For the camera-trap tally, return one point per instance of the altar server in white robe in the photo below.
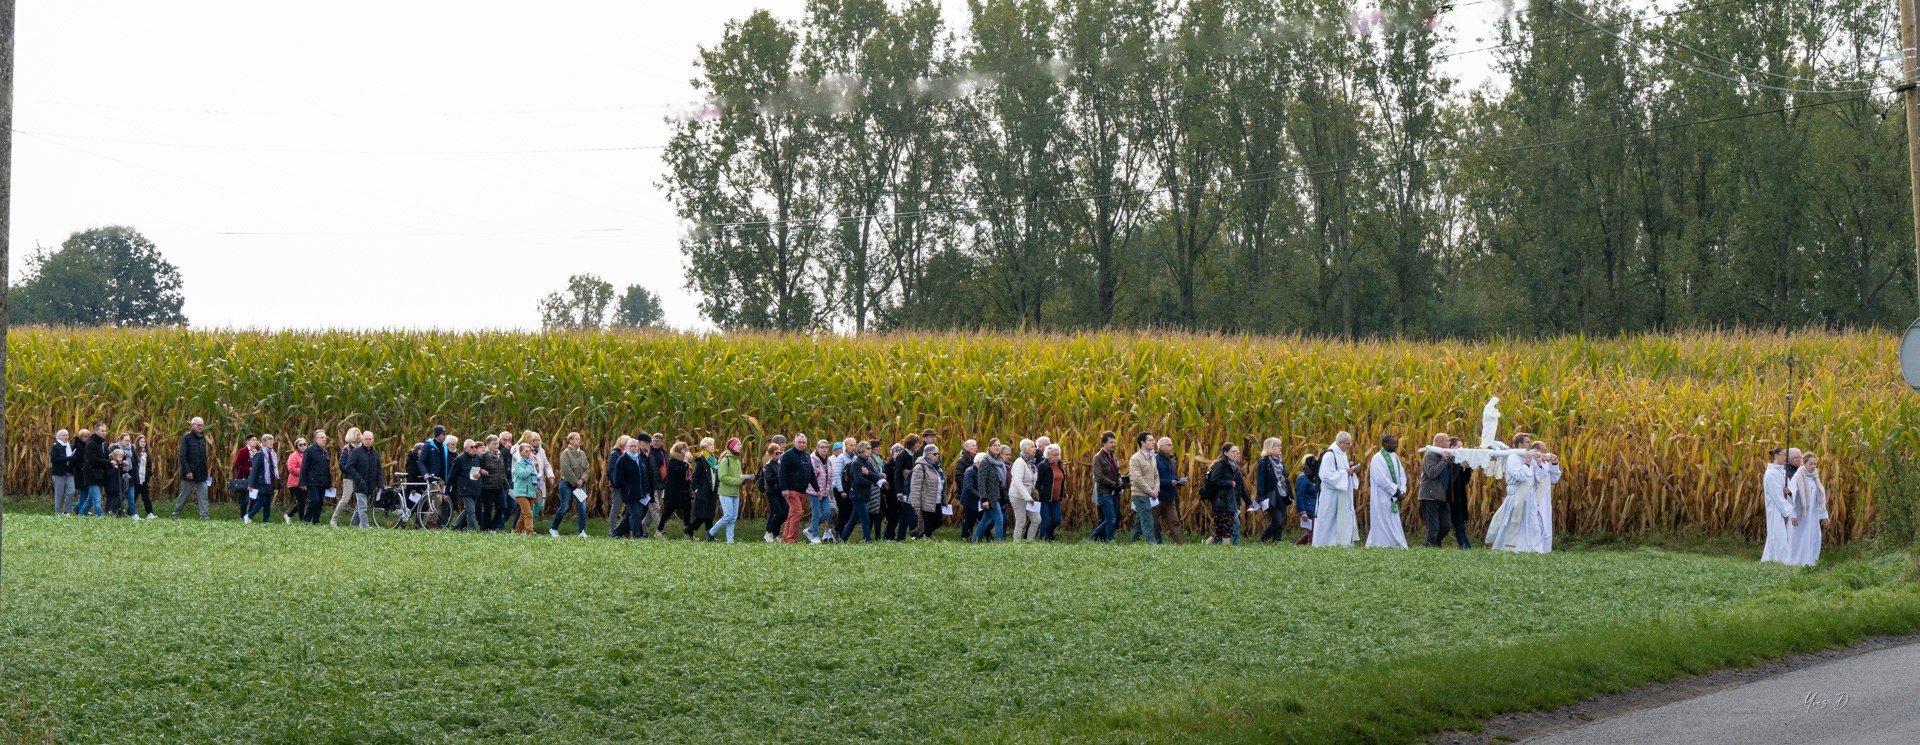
(1546, 473)
(1386, 484)
(1773, 491)
(1810, 509)
(1333, 519)
(1514, 525)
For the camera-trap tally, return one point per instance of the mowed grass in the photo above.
(183, 631)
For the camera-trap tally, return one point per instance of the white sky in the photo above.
(376, 156)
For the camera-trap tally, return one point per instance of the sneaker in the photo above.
(711, 539)
(151, 517)
(244, 520)
(334, 523)
(287, 518)
(583, 534)
(555, 533)
(808, 532)
(769, 538)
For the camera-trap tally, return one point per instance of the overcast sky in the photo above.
(370, 164)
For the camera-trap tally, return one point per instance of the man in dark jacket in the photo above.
(464, 490)
(1458, 476)
(97, 466)
(1166, 515)
(1106, 488)
(435, 461)
(969, 503)
(367, 478)
(193, 468)
(493, 481)
(316, 473)
(1434, 513)
(796, 476)
(862, 482)
(634, 489)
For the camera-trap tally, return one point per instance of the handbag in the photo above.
(236, 485)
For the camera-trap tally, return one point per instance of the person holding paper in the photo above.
(1386, 485)
(1512, 528)
(1434, 468)
(263, 480)
(1272, 488)
(614, 505)
(1779, 510)
(927, 488)
(466, 488)
(1025, 476)
(1143, 475)
(1334, 522)
(1166, 514)
(1226, 491)
(1306, 489)
(1810, 510)
(574, 466)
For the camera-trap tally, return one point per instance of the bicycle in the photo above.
(420, 505)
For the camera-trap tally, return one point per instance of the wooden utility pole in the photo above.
(1911, 67)
(6, 215)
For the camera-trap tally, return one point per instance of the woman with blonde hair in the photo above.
(347, 444)
(525, 476)
(543, 471)
(704, 483)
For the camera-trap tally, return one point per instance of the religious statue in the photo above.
(1489, 423)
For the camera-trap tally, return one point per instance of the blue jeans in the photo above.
(1109, 518)
(568, 502)
(729, 514)
(991, 517)
(1049, 519)
(1236, 528)
(90, 503)
(822, 509)
(1143, 520)
(859, 515)
(261, 504)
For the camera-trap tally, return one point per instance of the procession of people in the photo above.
(823, 491)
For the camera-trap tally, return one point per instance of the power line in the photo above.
(1693, 67)
(1081, 109)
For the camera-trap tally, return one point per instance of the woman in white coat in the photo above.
(1779, 510)
(1810, 506)
(1546, 473)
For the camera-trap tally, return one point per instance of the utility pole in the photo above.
(6, 215)
(1911, 67)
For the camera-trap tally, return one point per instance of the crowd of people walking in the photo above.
(822, 491)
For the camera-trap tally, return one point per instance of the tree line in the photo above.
(1297, 165)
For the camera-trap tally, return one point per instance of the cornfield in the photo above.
(1657, 431)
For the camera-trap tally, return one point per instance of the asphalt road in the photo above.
(1870, 699)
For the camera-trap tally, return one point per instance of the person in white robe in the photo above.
(1546, 473)
(1333, 519)
(1773, 492)
(1386, 484)
(1514, 525)
(1810, 509)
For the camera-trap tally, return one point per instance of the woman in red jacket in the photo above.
(242, 470)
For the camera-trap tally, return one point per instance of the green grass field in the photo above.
(189, 632)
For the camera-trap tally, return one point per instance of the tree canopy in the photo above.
(1297, 166)
(111, 276)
